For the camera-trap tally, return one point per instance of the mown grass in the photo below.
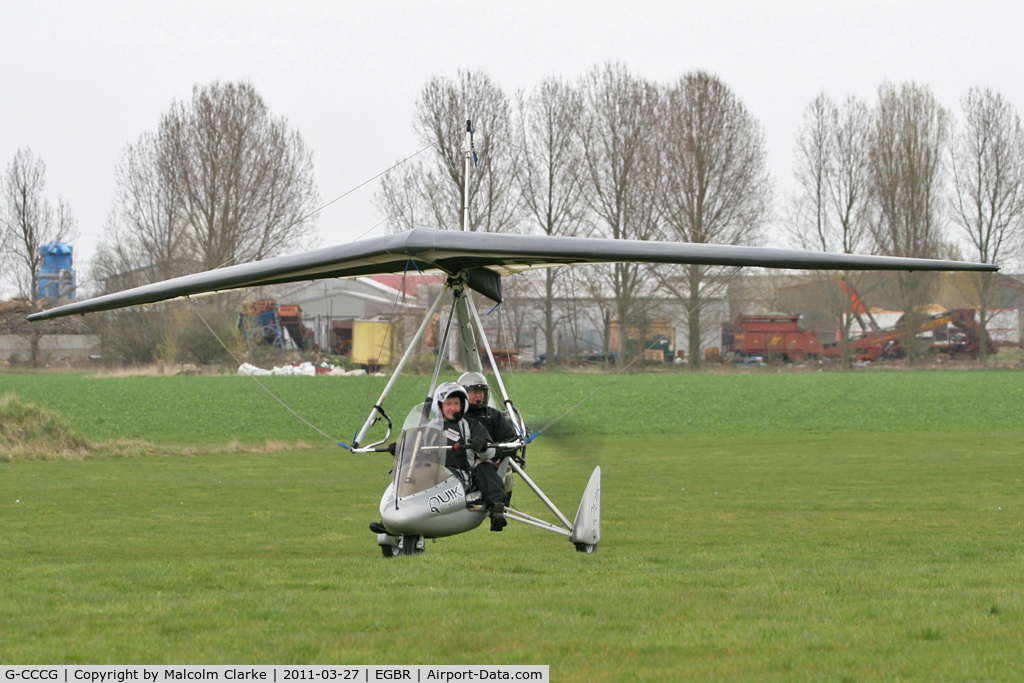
(764, 549)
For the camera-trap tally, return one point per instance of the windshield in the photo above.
(419, 459)
(416, 416)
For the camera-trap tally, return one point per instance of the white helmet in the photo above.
(475, 381)
(446, 391)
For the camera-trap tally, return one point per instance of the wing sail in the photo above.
(452, 252)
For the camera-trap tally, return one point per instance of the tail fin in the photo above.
(586, 529)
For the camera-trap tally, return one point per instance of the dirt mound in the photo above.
(28, 432)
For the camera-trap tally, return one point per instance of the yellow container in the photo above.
(373, 342)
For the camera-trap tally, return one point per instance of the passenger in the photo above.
(451, 403)
(492, 419)
(497, 424)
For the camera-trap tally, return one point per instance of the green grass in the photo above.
(764, 544)
(211, 410)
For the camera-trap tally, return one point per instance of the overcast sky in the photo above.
(81, 80)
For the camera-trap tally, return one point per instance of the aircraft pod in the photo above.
(426, 498)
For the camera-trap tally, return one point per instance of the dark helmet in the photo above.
(474, 381)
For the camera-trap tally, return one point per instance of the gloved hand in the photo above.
(391, 448)
(478, 444)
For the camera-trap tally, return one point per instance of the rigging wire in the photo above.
(370, 180)
(409, 387)
(264, 387)
(374, 227)
(350, 191)
(366, 182)
(443, 348)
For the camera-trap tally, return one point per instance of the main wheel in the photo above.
(409, 545)
(390, 551)
(586, 547)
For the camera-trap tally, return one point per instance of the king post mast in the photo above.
(468, 155)
(468, 349)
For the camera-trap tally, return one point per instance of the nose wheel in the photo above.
(406, 545)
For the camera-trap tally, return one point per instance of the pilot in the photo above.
(491, 418)
(451, 402)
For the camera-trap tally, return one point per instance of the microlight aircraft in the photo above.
(425, 499)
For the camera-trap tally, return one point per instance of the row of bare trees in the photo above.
(614, 155)
(906, 179)
(221, 180)
(610, 155)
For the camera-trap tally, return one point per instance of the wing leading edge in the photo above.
(483, 256)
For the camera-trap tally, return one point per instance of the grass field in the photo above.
(213, 410)
(821, 527)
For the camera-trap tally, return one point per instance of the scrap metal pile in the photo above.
(14, 320)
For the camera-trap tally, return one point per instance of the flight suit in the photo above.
(484, 473)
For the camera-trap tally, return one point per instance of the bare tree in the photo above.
(850, 179)
(832, 212)
(907, 142)
(551, 175)
(621, 161)
(29, 222)
(811, 224)
(145, 240)
(715, 186)
(987, 161)
(429, 193)
(401, 198)
(147, 236)
(243, 177)
(221, 181)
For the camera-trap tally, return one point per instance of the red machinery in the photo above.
(778, 335)
(955, 332)
(774, 335)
